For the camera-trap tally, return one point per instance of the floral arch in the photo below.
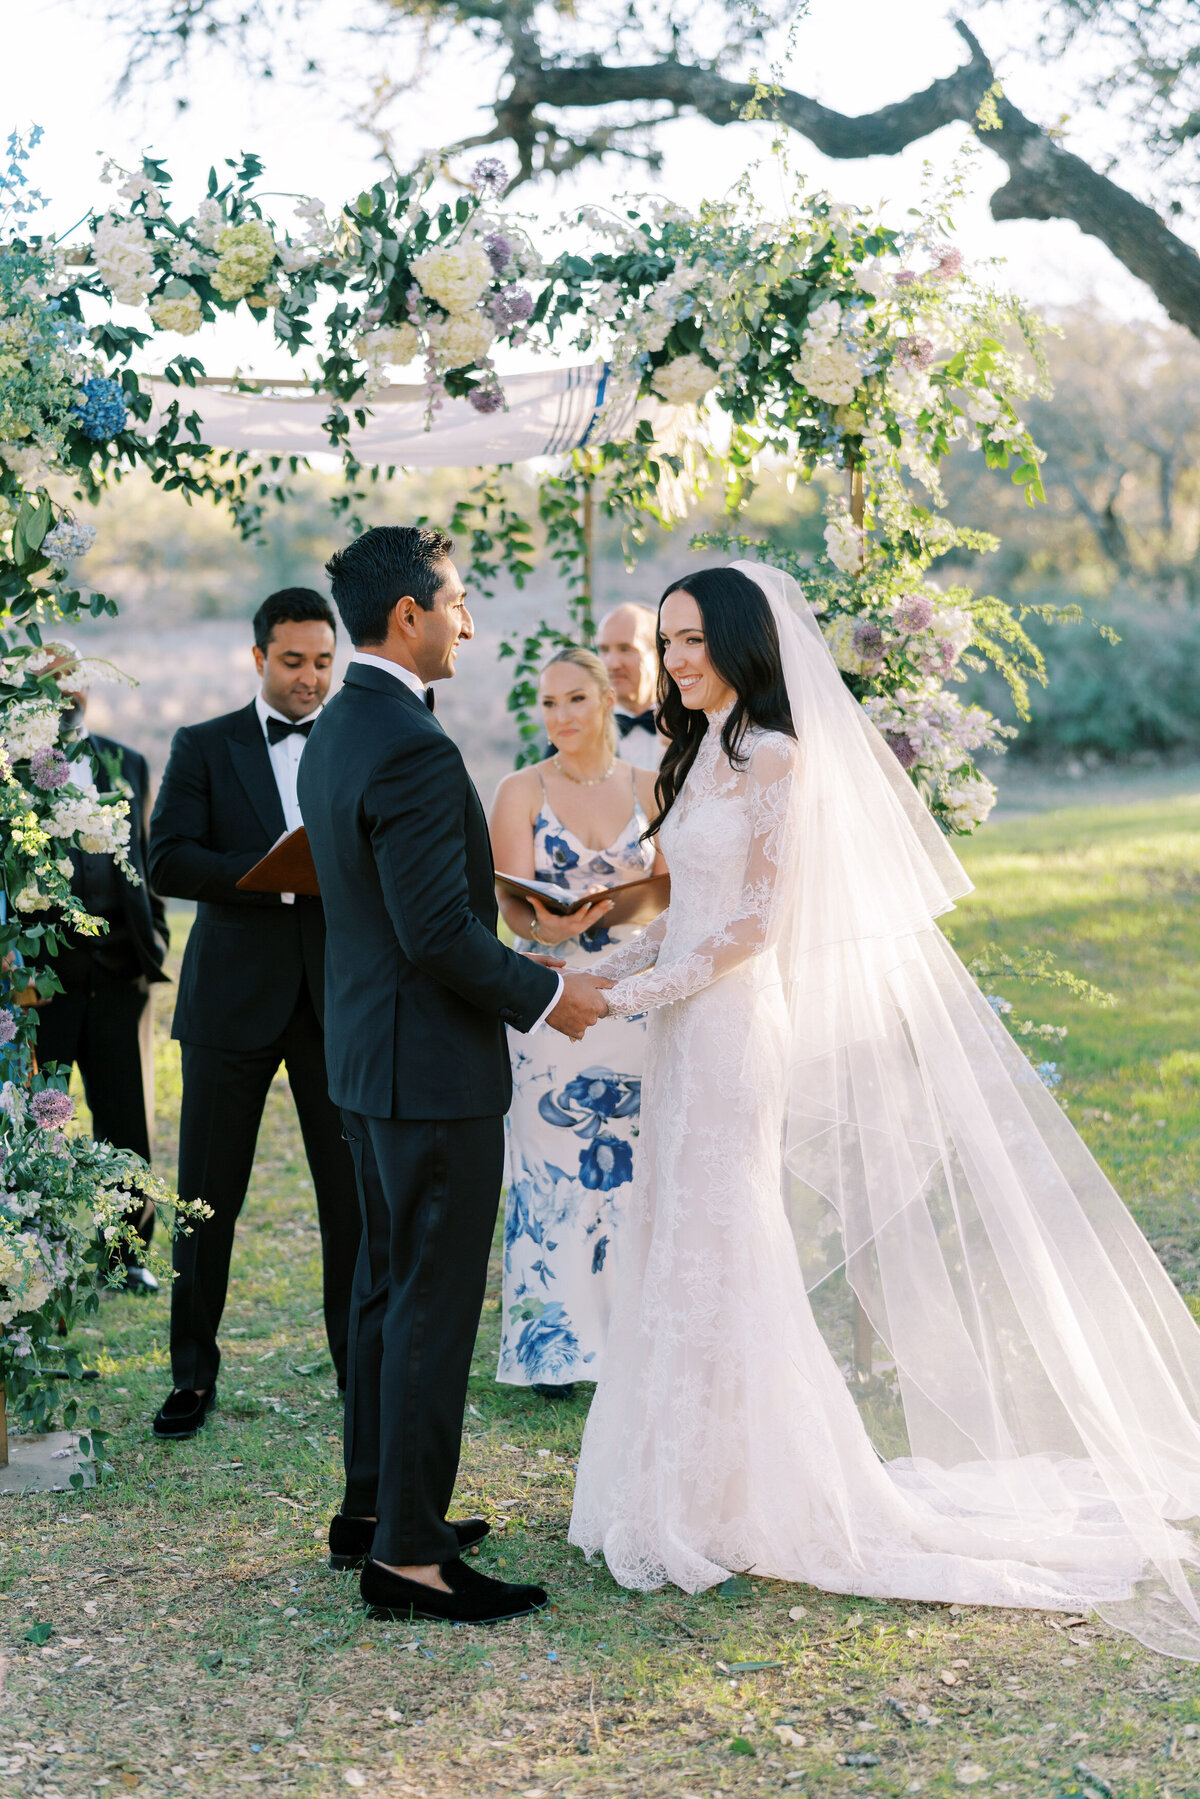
(824, 340)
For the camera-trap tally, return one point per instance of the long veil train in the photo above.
(1048, 1370)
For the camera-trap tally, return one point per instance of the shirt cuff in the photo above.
(557, 996)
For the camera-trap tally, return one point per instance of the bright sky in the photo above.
(852, 54)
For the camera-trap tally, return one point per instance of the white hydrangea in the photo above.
(26, 460)
(454, 275)
(121, 253)
(829, 370)
(839, 636)
(27, 726)
(177, 312)
(68, 539)
(685, 380)
(208, 223)
(389, 346)
(844, 541)
(140, 187)
(96, 828)
(461, 339)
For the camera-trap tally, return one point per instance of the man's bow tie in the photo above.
(279, 728)
(629, 721)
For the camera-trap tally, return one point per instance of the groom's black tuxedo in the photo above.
(249, 1000)
(418, 990)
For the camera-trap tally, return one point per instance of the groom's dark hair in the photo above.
(379, 568)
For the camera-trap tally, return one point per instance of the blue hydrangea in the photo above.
(1049, 1074)
(104, 412)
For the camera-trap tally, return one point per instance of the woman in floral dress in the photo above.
(576, 820)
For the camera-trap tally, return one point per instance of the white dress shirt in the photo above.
(415, 685)
(285, 761)
(640, 748)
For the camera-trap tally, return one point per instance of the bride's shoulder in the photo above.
(769, 753)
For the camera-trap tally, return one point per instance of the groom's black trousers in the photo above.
(429, 1190)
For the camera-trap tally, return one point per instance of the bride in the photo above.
(814, 1040)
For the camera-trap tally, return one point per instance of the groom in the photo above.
(418, 992)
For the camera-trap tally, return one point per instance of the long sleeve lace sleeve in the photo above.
(768, 789)
(639, 953)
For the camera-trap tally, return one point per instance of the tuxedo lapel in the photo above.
(252, 765)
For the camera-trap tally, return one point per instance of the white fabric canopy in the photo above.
(547, 414)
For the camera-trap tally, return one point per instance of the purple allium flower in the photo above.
(869, 640)
(486, 399)
(914, 352)
(947, 262)
(906, 277)
(103, 412)
(50, 768)
(903, 748)
(489, 176)
(511, 305)
(8, 1025)
(499, 251)
(913, 612)
(52, 1108)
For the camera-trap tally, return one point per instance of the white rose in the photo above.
(455, 276)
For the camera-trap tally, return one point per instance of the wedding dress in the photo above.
(813, 1040)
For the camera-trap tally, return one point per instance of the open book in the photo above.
(634, 902)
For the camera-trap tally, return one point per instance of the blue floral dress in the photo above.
(571, 1133)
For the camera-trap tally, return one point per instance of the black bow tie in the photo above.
(279, 728)
(629, 721)
(429, 699)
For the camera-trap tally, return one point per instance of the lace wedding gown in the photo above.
(722, 1436)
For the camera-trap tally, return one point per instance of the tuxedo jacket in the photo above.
(218, 813)
(142, 908)
(418, 988)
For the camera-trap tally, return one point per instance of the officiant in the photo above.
(576, 820)
(627, 646)
(250, 990)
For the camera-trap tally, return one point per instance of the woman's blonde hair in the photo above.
(596, 672)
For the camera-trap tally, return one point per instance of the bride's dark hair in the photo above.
(743, 647)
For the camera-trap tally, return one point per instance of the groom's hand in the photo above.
(580, 1004)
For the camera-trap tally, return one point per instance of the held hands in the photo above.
(580, 1004)
(552, 927)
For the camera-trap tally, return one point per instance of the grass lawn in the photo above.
(200, 1645)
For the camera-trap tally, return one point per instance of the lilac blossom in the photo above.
(914, 352)
(906, 277)
(947, 262)
(486, 399)
(869, 640)
(8, 1025)
(903, 748)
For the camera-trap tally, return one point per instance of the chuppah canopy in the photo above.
(548, 413)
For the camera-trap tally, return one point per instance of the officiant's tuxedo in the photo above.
(250, 997)
(418, 990)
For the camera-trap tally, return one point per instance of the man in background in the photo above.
(250, 990)
(103, 1019)
(626, 646)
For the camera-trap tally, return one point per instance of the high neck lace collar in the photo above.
(717, 719)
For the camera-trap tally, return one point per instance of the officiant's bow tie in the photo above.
(632, 721)
(279, 728)
(429, 701)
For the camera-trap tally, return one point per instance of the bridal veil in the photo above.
(1049, 1372)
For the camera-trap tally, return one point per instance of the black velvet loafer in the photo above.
(183, 1413)
(473, 1597)
(350, 1539)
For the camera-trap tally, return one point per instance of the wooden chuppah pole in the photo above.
(587, 599)
(862, 1351)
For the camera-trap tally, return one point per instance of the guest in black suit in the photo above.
(418, 992)
(103, 1019)
(250, 991)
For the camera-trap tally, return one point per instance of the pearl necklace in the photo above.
(596, 781)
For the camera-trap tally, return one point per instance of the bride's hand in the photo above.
(552, 927)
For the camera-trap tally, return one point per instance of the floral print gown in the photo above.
(571, 1133)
